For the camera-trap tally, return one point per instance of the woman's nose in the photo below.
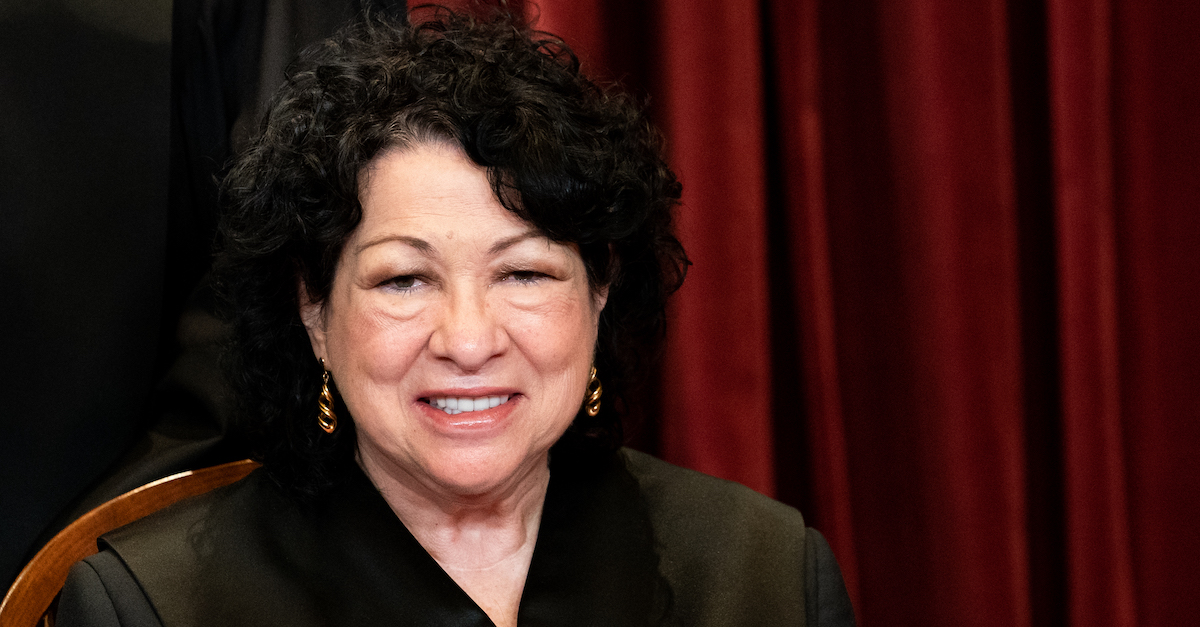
(467, 332)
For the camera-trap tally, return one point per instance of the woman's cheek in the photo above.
(388, 342)
(559, 333)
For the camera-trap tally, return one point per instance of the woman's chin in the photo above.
(471, 474)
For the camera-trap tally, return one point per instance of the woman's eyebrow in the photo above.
(421, 245)
(509, 242)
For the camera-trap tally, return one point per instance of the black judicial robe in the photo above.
(630, 540)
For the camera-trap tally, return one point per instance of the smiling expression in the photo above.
(458, 336)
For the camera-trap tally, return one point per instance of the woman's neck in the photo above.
(484, 542)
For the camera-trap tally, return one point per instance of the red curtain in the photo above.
(947, 259)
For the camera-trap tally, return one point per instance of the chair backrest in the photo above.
(30, 599)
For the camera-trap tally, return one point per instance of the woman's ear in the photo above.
(313, 317)
(600, 294)
(599, 299)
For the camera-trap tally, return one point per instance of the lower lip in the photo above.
(472, 424)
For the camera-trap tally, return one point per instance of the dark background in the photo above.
(84, 119)
(944, 296)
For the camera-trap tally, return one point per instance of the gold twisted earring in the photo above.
(591, 401)
(325, 416)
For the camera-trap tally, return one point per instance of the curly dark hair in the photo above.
(578, 161)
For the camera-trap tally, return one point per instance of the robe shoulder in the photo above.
(734, 556)
(726, 550)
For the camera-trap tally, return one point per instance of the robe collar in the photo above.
(594, 561)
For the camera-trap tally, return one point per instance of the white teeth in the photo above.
(459, 404)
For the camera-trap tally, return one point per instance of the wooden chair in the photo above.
(31, 599)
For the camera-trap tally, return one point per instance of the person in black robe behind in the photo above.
(446, 259)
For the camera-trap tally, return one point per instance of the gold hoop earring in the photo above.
(591, 402)
(325, 416)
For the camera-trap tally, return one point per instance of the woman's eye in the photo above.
(405, 282)
(525, 276)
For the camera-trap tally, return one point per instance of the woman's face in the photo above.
(443, 299)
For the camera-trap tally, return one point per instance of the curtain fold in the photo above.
(945, 287)
(1082, 87)
(801, 240)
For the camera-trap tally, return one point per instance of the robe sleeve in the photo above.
(101, 592)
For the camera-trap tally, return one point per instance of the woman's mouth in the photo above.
(461, 404)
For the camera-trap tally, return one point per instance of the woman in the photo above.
(442, 241)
